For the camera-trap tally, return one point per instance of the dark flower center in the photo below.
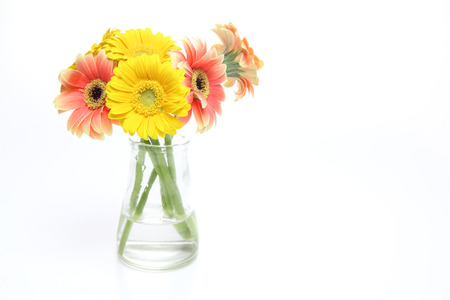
(94, 94)
(199, 82)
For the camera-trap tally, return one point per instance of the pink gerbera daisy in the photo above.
(83, 90)
(204, 75)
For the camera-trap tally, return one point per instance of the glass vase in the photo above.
(157, 228)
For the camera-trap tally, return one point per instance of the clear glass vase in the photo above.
(157, 228)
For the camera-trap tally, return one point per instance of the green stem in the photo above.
(143, 200)
(125, 233)
(173, 193)
(170, 158)
(165, 202)
(171, 199)
(138, 177)
(160, 166)
(170, 194)
(137, 212)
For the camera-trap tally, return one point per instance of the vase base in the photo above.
(159, 256)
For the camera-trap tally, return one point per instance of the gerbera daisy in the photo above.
(146, 95)
(96, 48)
(84, 91)
(242, 63)
(133, 43)
(205, 73)
(105, 40)
(231, 41)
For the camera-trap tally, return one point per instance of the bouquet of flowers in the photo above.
(144, 83)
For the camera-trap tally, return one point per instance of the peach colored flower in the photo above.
(84, 91)
(204, 75)
(249, 57)
(231, 41)
(242, 63)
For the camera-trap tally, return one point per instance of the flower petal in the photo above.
(142, 129)
(126, 73)
(86, 65)
(201, 98)
(106, 122)
(76, 118)
(73, 79)
(104, 66)
(151, 129)
(96, 121)
(190, 50)
(97, 136)
(69, 100)
(196, 108)
(186, 119)
(86, 123)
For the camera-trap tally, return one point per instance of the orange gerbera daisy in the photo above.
(204, 75)
(242, 63)
(84, 91)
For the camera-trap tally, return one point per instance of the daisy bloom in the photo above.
(204, 75)
(105, 40)
(242, 63)
(133, 43)
(249, 57)
(146, 95)
(84, 91)
(96, 48)
(231, 41)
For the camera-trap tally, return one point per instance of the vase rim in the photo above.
(179, 140)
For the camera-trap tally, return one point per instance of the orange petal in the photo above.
(86, 65)
(216, 93)
(217, 74)
(79, 131)
(73, 79)
(96, 135)
(198, 116)
(104, 66)
(96, 121)
(86, 123)
(176, 57)
(190, 51)
(229, 82)
(201, 98)
(76, 118)
(69, 100)
(106, 122)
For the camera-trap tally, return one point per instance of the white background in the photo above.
(331, 183)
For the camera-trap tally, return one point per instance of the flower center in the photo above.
(94, 94)
(148, 97)
(200, 83)
(140, 49)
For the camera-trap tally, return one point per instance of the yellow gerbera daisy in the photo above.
(105, 39)
(133, 43)
(146, 95)
(96, 48)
